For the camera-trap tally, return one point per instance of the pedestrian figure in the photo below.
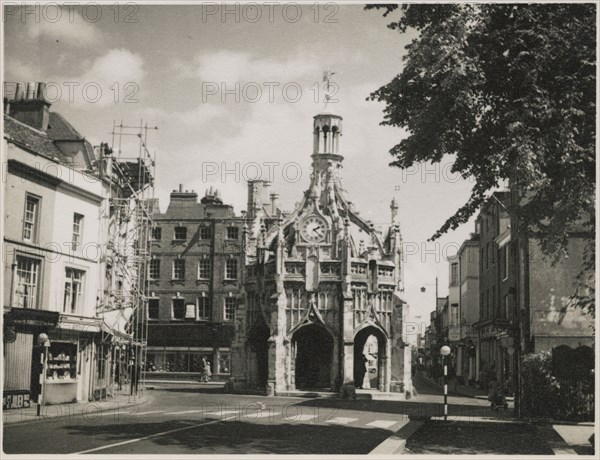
(360, 369)
(206, 373)
(495, 396)
(118, 377)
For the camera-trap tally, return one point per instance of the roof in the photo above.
(30, 138)
(60, 129)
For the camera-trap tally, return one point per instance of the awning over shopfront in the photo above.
(80, 324)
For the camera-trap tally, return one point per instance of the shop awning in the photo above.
(80, 324)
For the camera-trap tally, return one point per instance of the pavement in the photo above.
(495, 433)
(122, 401)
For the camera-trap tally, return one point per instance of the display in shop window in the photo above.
(62, 361)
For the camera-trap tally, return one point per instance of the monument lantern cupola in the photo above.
(327, 133)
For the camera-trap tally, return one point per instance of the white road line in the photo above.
(301, 417)
(382, 423)
(155, 435)
(341, 420)
(259, 415)
(184, 412)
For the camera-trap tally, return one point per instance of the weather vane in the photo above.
(327, 74)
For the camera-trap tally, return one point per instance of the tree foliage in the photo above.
(510, 91)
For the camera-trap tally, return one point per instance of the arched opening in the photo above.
(369, 358)
(258, 342)
(313, 347)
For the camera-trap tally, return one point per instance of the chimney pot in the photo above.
(41, 90)
(31, 89)
(20, 91)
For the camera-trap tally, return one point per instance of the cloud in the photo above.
(113, 78)
(235, 66)
(64, 25)
(17, 70)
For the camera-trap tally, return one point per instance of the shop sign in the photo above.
(15, 399)
(32, 318)
(10, 335)
(453, 334)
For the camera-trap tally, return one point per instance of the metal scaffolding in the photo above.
(129, 213)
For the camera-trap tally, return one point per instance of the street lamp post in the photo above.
(45, 342)
(445, 351)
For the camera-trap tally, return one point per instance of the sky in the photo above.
(233, 93)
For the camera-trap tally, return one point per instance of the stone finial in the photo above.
(394, 209)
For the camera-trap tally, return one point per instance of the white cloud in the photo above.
(19, 71)
(64, 25)
(234, 66)
(113, 78)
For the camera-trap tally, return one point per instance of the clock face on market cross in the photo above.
(313, 229)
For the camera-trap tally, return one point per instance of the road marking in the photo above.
(302, 417)
(342, 420)
(155, 435)
(184, 412)
(382, 423)
(262, 414)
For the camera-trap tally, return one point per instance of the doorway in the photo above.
(369, 354)
(313, 347)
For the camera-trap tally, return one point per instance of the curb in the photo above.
(139, 402)
(396, 443)
(186, 382)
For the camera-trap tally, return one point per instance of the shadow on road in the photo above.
(229, 437)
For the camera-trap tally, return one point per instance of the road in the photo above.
(195, 419)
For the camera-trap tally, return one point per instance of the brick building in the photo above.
(194, 283)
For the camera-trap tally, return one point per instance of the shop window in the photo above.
(30, 217)
(73, 301)
(62, 361)
(195, 361)
(27, 282)
(177, 361)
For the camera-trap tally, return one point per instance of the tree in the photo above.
(510, 91)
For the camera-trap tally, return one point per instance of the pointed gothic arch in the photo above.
(313, 357)
(363, 372)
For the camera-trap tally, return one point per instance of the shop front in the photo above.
(23, 354)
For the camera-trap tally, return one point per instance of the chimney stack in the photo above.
(29, 104)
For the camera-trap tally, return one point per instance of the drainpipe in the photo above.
(12, 283)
